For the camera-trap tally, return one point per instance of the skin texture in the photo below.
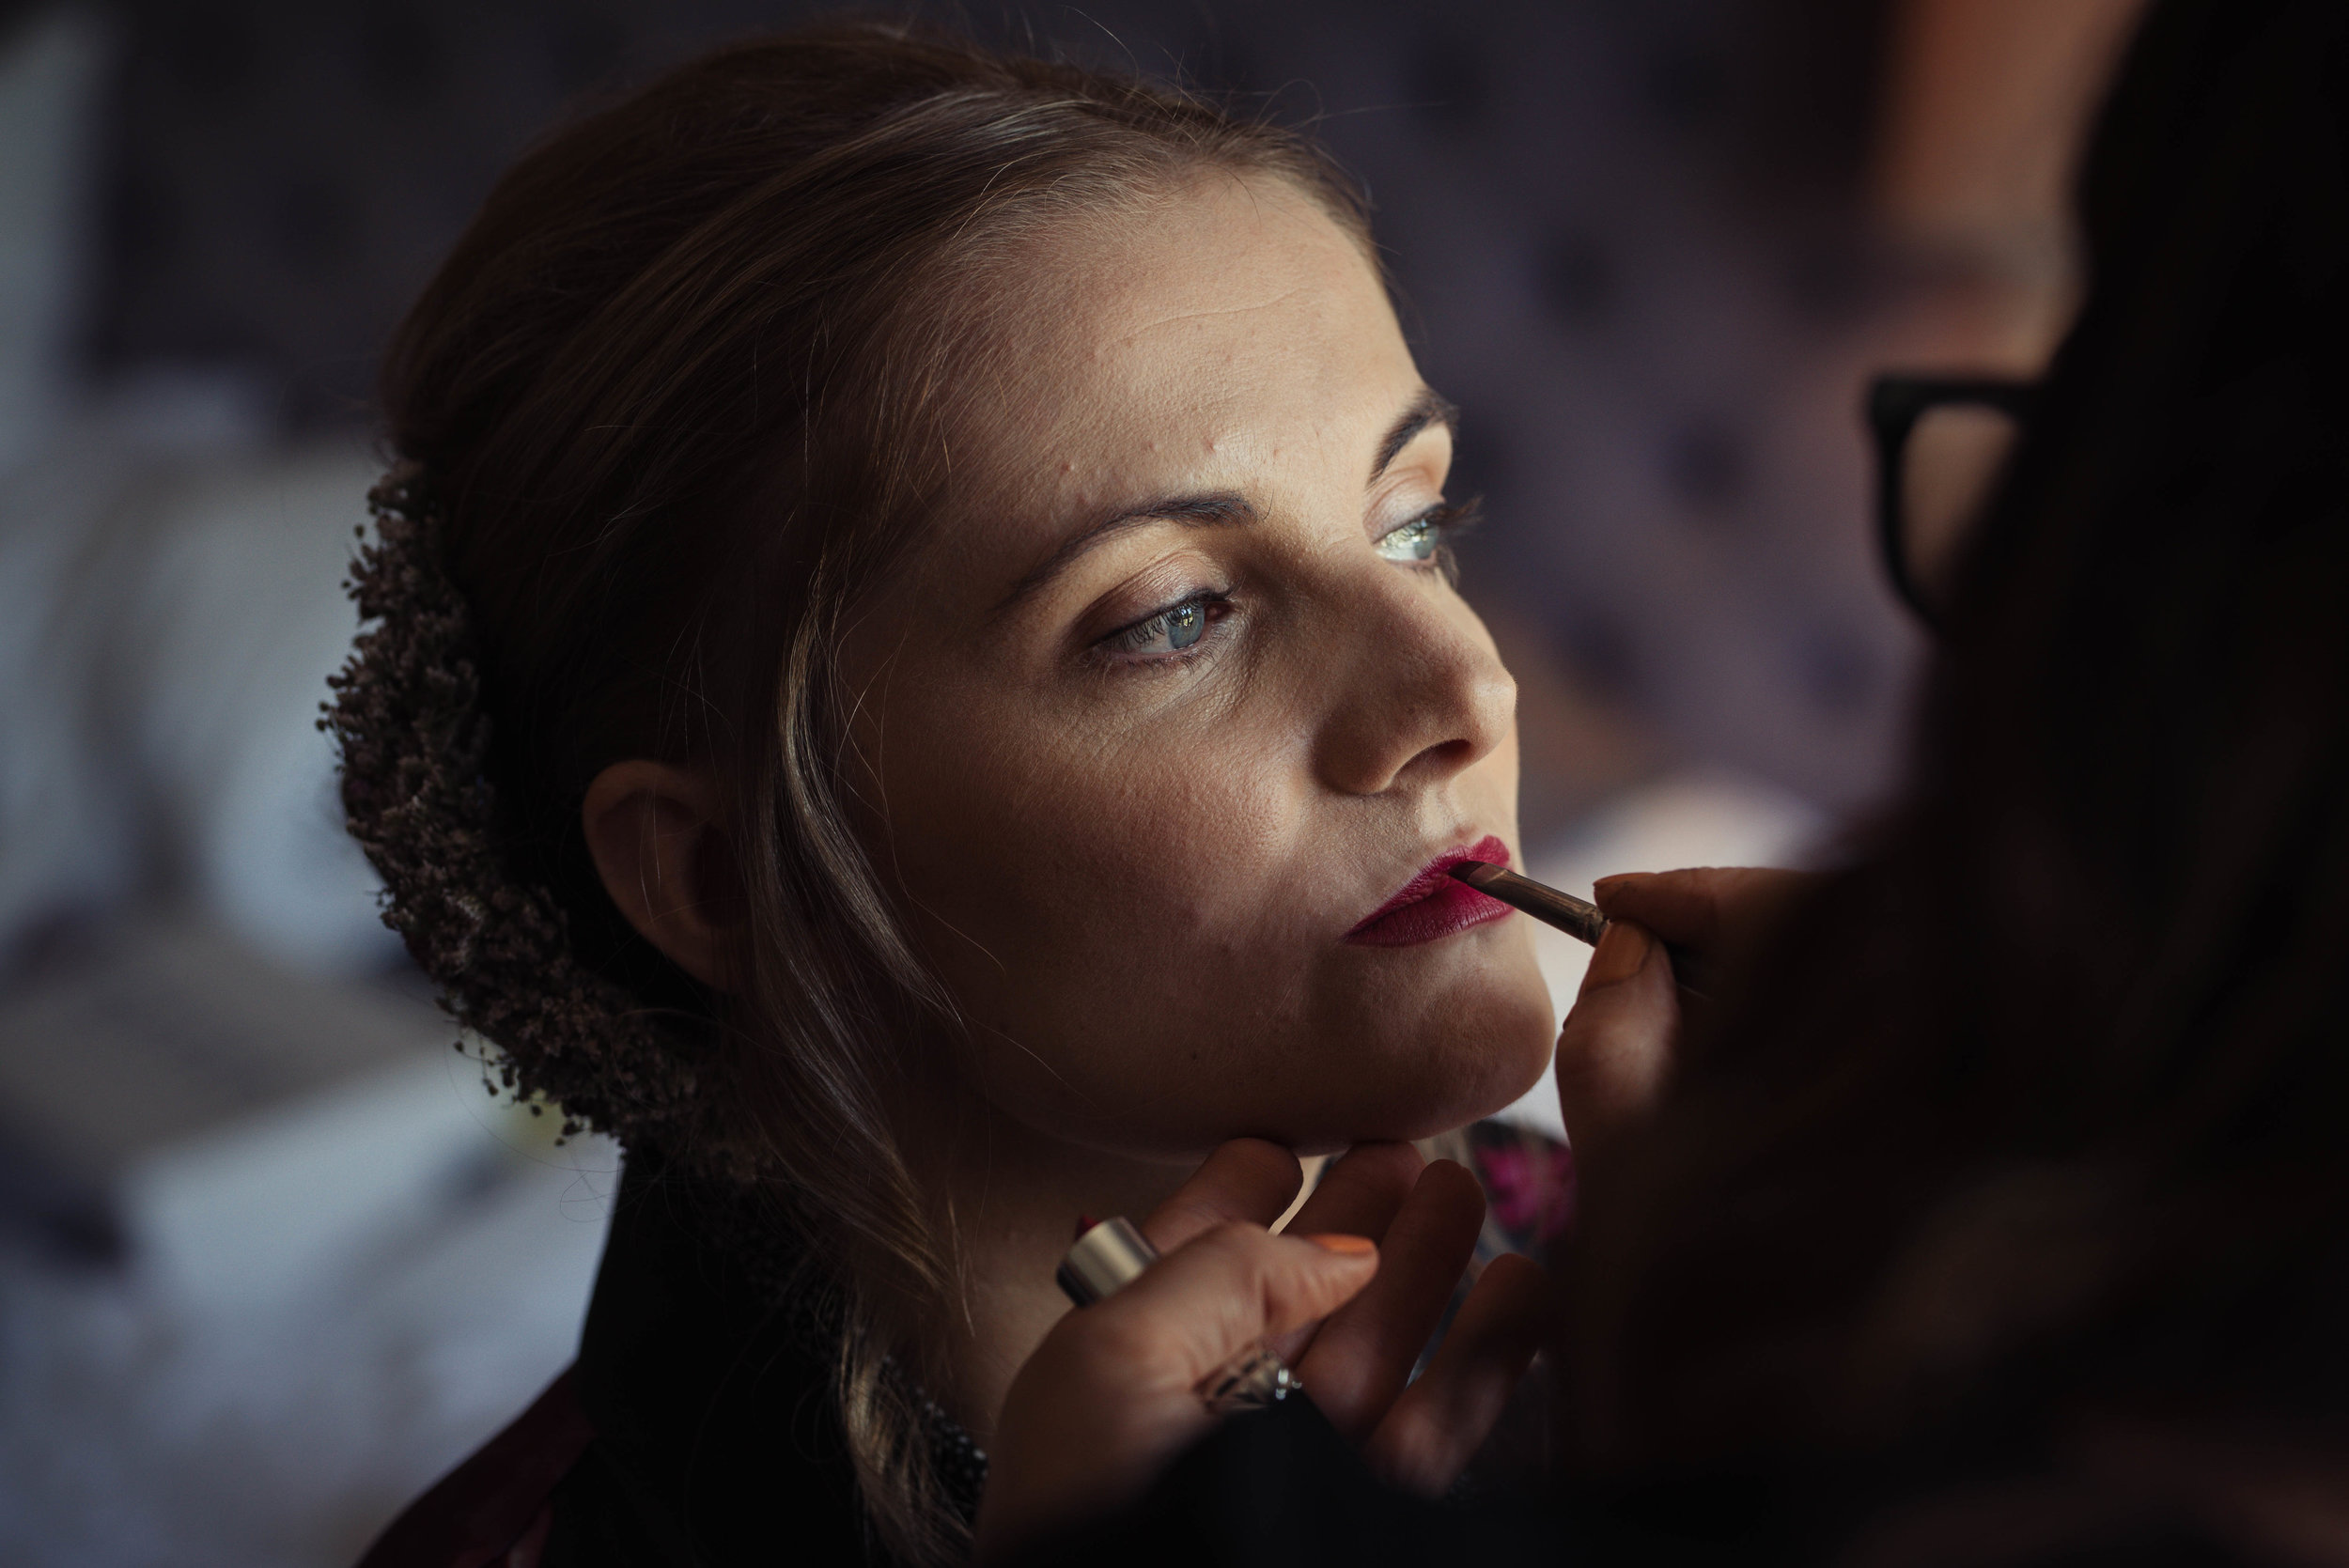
(1134, 863)
(1135, 871)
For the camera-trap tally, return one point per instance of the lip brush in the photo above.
(1577, 918)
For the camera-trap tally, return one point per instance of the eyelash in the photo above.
(1124, 643)
(1447, 521)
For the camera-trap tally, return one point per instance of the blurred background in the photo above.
(269, 1257)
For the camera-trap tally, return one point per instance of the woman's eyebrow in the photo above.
(1215, 510)
(1222, 508)
(1428, 407)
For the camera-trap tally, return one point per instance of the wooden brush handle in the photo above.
(1577, 918)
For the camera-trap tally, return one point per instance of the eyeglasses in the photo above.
(1940, 442)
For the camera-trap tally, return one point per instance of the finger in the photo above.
(1247, 1179)
(1359, 1195)
(1439, 1421)
(1219, 1293)
(1363, 1355)
(1111, 1395)
(1617, 1044)
(1702, 907)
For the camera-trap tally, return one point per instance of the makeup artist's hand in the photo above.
(1617, 1046)
(1348, 1293)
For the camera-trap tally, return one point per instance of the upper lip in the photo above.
(1434, 875)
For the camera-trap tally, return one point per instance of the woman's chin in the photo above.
(1500, 1047)
(1499, 1092)
(1486, 1062)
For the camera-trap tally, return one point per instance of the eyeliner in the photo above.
(1577, 918)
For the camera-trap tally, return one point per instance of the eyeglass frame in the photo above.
(1896, 404)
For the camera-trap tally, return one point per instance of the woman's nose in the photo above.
(1420, 696)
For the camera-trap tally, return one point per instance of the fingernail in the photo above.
(1623, 952)
(1346, 1246)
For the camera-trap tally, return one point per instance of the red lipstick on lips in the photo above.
(1435, 905)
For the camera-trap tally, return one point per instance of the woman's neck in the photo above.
(1005, 1199)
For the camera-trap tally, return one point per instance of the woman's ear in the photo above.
(654, 832)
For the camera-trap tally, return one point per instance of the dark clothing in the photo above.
(1282, 1489)
(718, 1437)
(698, 1428)
(699, 1431)
(494, 1511)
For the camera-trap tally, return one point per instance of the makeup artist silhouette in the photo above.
(2000, 1211)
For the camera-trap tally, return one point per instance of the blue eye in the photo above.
(1427, 538)
(1171, 631)
(1416, 540)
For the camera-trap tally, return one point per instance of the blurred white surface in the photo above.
(1682, 819)
(136, 1431)
(243, 1130)
(167, 623)
(231, 616)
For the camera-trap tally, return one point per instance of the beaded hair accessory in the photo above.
(407, 718)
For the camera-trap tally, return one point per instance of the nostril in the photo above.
(1441, 760)
(1453, 752)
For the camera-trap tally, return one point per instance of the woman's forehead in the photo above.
(1231, 334)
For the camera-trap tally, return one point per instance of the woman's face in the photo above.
(1177, 697)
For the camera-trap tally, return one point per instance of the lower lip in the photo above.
(1448, 907)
